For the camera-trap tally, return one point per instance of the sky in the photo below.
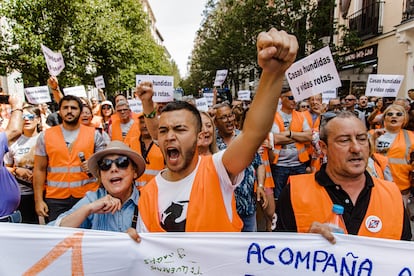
(178, 22)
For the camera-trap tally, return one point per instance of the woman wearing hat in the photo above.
(114, 205)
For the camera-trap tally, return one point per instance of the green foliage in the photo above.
(226, 39)
(96, 37)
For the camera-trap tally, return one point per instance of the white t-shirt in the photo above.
(173, 196)
(384, 142)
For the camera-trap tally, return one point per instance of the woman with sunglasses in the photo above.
(20, 162)
(106, 111)
(114, 205)
(396, 143)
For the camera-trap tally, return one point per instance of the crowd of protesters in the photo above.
(241, 166)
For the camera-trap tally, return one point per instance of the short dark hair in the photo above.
(71, 98)
(328, 116)
(180, 105)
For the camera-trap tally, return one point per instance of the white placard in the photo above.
(383, 85)
(209, 96)
(244, 95)
(100, 82)
(202, 104)
(312, 75)
(327, 95)
(15, 84)
(78, 91)
(54, 61)
(37, 95)
(45, 250)
(221, 76)
(163, 87)
(135, 105)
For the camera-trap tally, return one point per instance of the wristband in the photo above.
(151, 115)
(290, 134)
(261, 185)
(17, 109)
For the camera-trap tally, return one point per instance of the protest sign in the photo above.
(37, 95)
(383, 85)
(313, 75)
(220, 77)
(209, 96)
(100, 82)
(78, 91)
(46, 250)
(135, 105)
(163, 87)
(202, 104)
(244, 95)
(15, 84)
(327, 95)
(54, 60)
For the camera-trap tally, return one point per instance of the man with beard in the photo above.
(195, 193)
(58, 163)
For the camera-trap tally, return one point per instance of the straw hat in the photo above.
(119, 148)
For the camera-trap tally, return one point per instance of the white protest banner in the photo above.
(244, 95)
(15, 84)
(47, 250)
(78, 91)
(135, 105)
(209, 96)
(313, 75)
(327, 95)
(37, 95)
(383, 85)
(99, 82)
(202, 104)
(54, 61)
(163, 87)
(221, 76)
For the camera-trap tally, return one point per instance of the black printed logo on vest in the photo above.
(173, 219)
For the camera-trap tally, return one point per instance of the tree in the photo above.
(96, 37)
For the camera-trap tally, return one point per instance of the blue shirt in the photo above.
(244, 193)
(120, 221)
(10, 191)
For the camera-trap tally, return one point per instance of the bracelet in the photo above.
(17, 109)
(290, 134)
(261, 185)
(151, 115)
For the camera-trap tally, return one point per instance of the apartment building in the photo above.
(387, 31)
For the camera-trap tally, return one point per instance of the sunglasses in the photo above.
(29, 117)
(350, 100)
(121, 163)
(398, 114)
(106, 107)
(290, 98)
(304, 106)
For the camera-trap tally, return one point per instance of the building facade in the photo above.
(387, 31)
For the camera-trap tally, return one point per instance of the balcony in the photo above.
(367, 21)
(408, 14)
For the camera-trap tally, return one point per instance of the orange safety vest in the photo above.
(399, 156)
(297, 126)
(268, 178)
(155, 161)
(315, 163)
(65, 177)
(311, 202)
(380, 164)
(206, 210)
(117, 131)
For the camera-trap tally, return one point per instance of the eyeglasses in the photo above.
(226, 118)
(391, 114)
(28, 116)
(349, 100)
(304, 106)
(290, 98)
(121, 163)
(122, 110)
